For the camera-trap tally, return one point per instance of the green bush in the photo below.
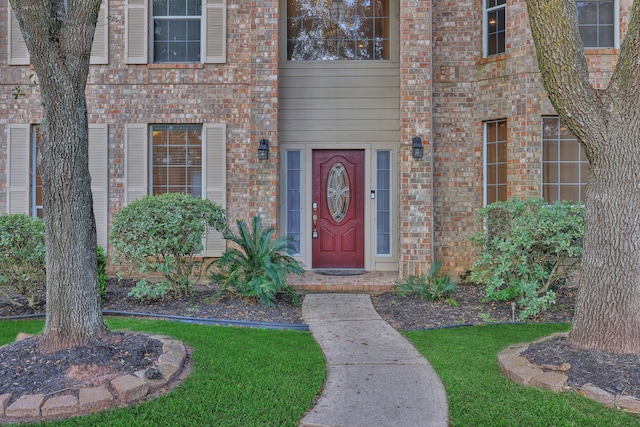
(528, 248)
(259, 267)
(22, 258)
(102, 271)
(164, 234)
(431, 287)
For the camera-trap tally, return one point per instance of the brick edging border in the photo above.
(521, 371)
(123, 390)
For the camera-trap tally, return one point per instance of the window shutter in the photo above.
(17, 50)
(98, 142)
(136, 32)
(135, 162)
(18, 196)
(100, 47)
(215, 176)
(215, 24)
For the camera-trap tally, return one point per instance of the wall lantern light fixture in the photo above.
(263, 149)
(417, 148)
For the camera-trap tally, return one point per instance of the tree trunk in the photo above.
(59, 35)
(607, 123)
(607, 315)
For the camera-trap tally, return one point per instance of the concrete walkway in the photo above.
(375, 377)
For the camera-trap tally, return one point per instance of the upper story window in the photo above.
(495, 27)
(330, 30)
(597, 22)
(495, 161)
(176, 31)
(564, 164)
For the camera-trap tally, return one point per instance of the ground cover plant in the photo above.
(529, 247)
(479, 394)
(240, 377)
(163, 233)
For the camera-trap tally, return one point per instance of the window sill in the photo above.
(494, 58)
(176, 65)
(601, 51)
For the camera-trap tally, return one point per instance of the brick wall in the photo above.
(457, 130)
(241, 93)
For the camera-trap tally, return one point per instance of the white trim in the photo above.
(485, 35)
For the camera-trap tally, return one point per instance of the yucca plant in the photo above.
(259, 266)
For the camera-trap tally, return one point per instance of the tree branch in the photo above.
(563, 66)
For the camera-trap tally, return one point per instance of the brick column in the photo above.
(415, 120)
(264, 108)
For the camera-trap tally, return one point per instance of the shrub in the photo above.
(22, 259)
(102, 271)
(528, 248)
(431, 287)
(259, 266)
(163, 234)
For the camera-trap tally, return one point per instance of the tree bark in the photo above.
(59, 36)
(607, 123)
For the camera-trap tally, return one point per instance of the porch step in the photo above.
(368, 282)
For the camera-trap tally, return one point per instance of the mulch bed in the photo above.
(617, 374)
(25, 370)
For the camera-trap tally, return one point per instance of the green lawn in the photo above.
(479, 395)
(253, 377)
(240, 377)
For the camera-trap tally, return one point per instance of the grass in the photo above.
(479, 395)
(251, 377)
(239, 377)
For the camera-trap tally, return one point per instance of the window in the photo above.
(383, 203)
(294, 198)
(176, 159)
(496, 161)
(564, 164)
(495, 27)
(24, 186)
(176, 30)
(183, 158)
(597, 23)
(329, 30)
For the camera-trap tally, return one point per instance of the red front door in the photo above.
(338, 209)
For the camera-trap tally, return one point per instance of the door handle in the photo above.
(314, 234)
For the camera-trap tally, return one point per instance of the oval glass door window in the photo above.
(338, 192)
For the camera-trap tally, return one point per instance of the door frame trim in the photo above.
(372, 262)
